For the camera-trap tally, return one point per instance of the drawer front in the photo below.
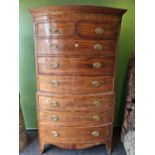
(74, 134)
(75, 118)
(55, 29)
(76, 66)
(75, 85)
(72, 47)
(76, 102)
(98, 30)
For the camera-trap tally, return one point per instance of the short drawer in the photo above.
(74, 134)
(98, 30)
(75, 84)
(75, 118)
(76, 66)
(101, 102)
(73, 47)
(55, 29)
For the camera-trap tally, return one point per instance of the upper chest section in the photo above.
(94, 22)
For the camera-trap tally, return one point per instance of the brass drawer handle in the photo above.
(54, 65)
(54, 30)
(54, 46)
(54, 83)
(95, 133)
(99, 30)
(54, 118)
(97, 65)
(98, 47)
(54, 104)
(96, 117)
(97, 103)
(55, 134)
(96, 84)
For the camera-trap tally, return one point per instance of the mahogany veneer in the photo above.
(81, 48)
(76, 49)
(72, 85)
(95, 102)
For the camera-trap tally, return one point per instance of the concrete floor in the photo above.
(33, 147)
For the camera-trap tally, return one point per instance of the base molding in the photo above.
(79, 146)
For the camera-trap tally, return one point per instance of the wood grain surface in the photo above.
(74, 84)
(76, 49)
(88, 29)
(74, 134)
(75, 118)
(76, 66)
(76, 103)
(55, 29)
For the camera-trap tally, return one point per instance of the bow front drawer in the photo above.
(76, 66)
(55, 29)
(51, 134)
(75, 118)
(75, 47)
(101, 102)
(109, 31)
(75, 84)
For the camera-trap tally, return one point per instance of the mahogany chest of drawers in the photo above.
(76, 50)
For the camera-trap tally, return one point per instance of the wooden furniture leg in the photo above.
(109, 146)
(42, 148)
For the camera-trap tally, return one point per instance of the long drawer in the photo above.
(76, 66)
(51, 134)
(101, 102)
(75, 118)
(75, 84)
(74, 47)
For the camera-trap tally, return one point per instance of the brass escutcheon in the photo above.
(54, 118)
(55, 104)
(54, 30)
(55, 134)
(54, 46)
(97, 65)
(99, 30)
(54, 65)
(96, 84)
(55, 83)
(95, 133)
(97, 103)
(98, 47)
(96, 118)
